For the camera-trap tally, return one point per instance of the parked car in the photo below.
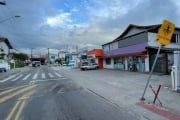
(4, 66)
(89, 66)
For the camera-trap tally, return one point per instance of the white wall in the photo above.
(111, 66)
(5, 48)
(147, 63)
(152, 42)
(114, 45)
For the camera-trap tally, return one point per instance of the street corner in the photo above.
(159, 110)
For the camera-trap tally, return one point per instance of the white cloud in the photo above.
(92, 22)
(58, 20)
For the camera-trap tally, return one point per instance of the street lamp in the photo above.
(16, 16)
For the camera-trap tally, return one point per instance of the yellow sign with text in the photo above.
(165, 32)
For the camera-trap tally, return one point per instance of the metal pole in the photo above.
(152, 69)
(31, 53)
(48, 55)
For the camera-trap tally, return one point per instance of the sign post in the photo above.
(163, 37)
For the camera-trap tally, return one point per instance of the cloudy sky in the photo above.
(57, 23)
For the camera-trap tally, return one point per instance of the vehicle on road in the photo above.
(89, 66)
(36, 63)
(4, 66)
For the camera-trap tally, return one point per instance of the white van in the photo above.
(36, 63)
(4, 66)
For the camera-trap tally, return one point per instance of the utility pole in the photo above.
(48, 55)
(31, 53)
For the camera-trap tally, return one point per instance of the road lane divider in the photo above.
(6, 91)
(17, 116)
(16, 111)
(13, 110)
(8, 97)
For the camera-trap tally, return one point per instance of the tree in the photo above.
(59, 61)
(20, 56)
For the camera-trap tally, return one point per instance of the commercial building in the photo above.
(135, 50)
(96, 55)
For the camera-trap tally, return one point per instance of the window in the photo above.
(173, 39)
(108, 61)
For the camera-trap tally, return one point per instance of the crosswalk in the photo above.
(32, 76)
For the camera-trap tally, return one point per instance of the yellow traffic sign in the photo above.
(165, 32)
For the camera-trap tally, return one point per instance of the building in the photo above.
(96, 55)
(82, 52)
(135, 50)
(5, 47)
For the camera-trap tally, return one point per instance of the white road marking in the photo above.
(17, 78)
(50, 75)
(43, 75)
(35, 76)
(59, 75)
(10, 77)
(27, 76)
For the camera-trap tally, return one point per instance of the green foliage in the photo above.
(2, 55)
(59, 61)
(20, 56)
(18, 64)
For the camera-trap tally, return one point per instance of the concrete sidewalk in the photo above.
(125, 90)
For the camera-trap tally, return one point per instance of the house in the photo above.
(97, 56)
(135, 50)
(5, 47)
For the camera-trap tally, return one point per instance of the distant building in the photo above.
(135, 50)
(53, 57)
(82, 52)
(96, 55)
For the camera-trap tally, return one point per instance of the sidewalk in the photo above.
(125, 89)
(9, 72)
(134, 83)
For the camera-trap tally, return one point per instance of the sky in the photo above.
(56, 24)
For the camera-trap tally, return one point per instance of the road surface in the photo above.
(43, 93)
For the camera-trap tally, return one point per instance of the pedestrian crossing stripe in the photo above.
(50, 75)
(27, 76)
(17, 78)
(36, 76)
(43, 75)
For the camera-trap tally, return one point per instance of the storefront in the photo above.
(119, 63)
(136, 63)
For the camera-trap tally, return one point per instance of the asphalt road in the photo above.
(43, 93)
